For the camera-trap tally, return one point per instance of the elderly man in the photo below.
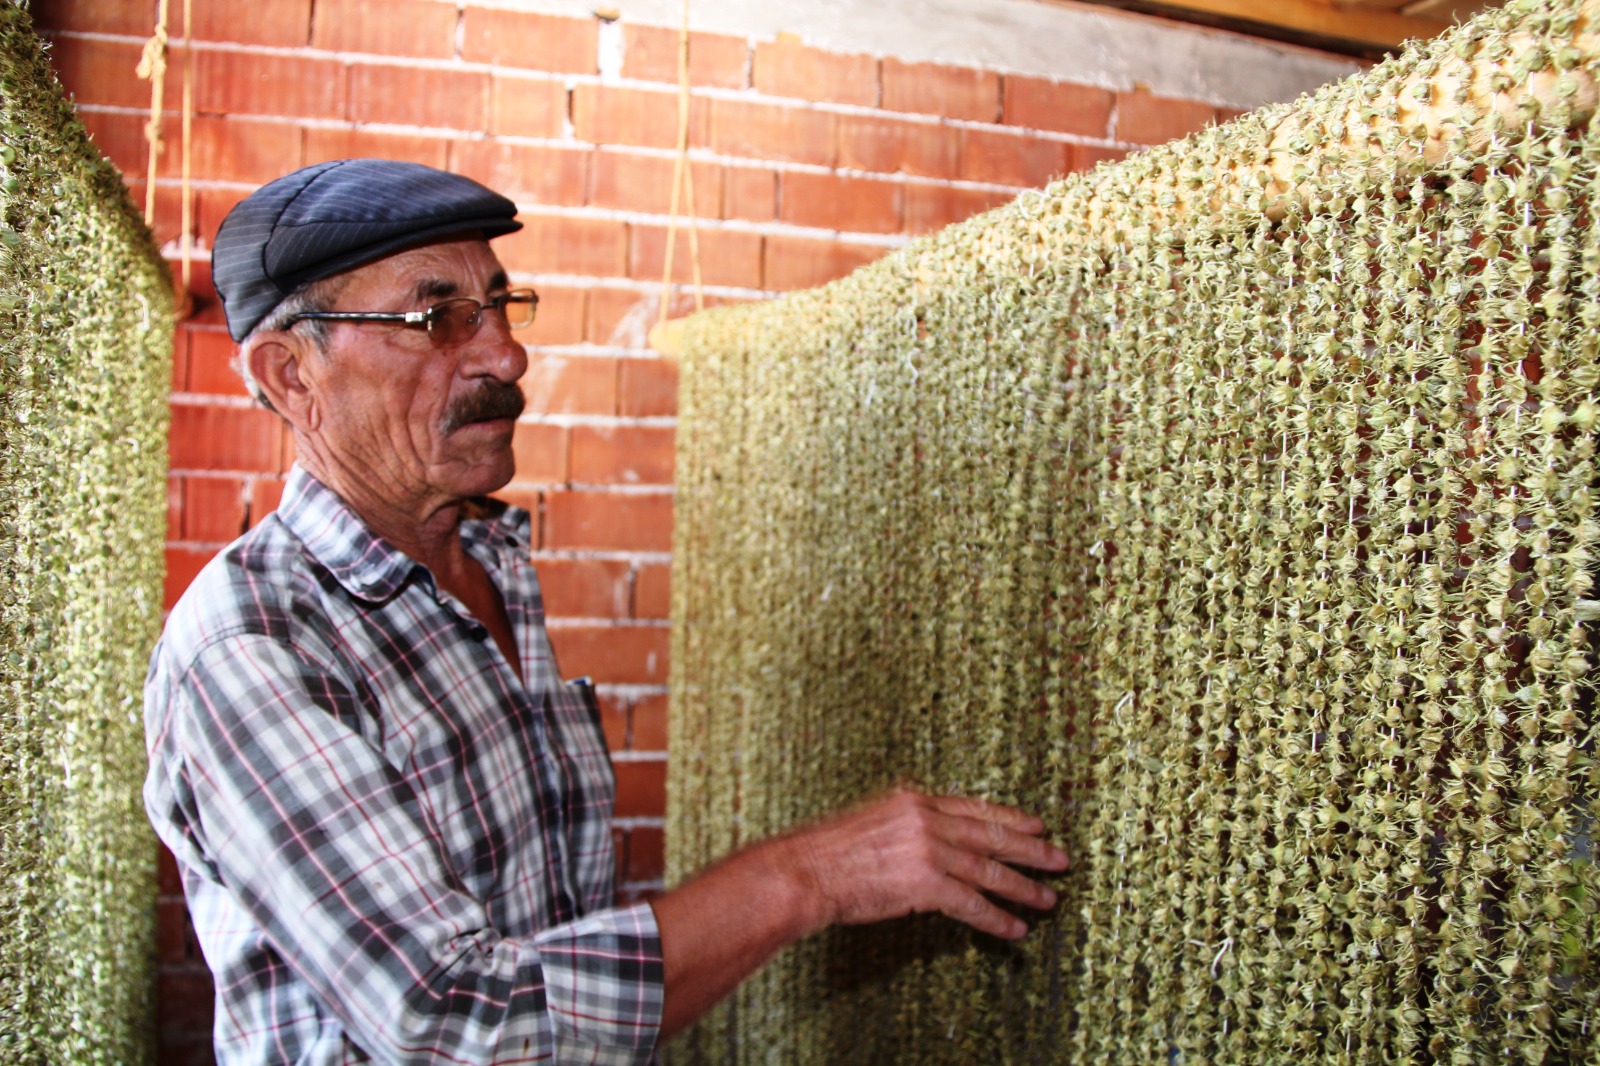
(392, 816)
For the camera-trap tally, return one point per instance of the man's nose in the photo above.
(494, 350)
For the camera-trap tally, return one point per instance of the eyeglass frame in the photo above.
(431, 314)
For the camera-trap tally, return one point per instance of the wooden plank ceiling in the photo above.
(1365, 28)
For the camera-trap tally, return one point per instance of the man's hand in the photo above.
(903, 853)
(910, 852)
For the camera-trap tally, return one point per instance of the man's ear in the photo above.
(277, 361)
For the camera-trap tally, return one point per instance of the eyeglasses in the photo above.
(451, 322)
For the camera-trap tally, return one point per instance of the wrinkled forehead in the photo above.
(426, 273)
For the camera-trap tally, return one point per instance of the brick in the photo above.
(184, 999)
(601, 520)
(614, 723)
(257, 83)
(185, 1049)
(134, 18)
(584, 588)
(207, 437)
(641, 792)
(227, 149)
(560, 318)
(801, 262)
(529, 500)
(839, 202)
(1011, 158)
(1063, 106)
(1089, 156)
(652, 591)
(628, 895)
(650, 53)
(175, 508)
(773, 131)
(182, 566)
(210, 363)
(622, 455)
(1144, 118)
(629, 182)
(613, 654)
(206, 309)
(419, 28)
(211, 206)
(99, 72)
(526, 173)
(643, 118)
(166, 225)
(540, 451)
(932, 207)
(120, 138)
(621, 318)
(647, 724)
(557, 244)
(527, 107)
(180, 363)
(213, 508)
(727, 257)
(647, 848)
(169, 882)
(265, 495)
(647, 388)
(524, 39)
(943, 90)
(323, 145)
(897, 146)
(785, 67)
(561, 384)
(175, 940)
(750, 193)
(412, 96)
(276, 23)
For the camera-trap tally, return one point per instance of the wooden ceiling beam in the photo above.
(1365, 31)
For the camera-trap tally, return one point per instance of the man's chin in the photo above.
(489, 476)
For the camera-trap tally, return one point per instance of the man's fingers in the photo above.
(984, 811)
(1000, 841)
(912, 852)
(996, 878)
(966, 904)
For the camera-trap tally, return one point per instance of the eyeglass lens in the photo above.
(454, 322)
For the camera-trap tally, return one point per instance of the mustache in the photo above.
(499, 400)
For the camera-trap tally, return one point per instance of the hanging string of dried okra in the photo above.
(1234, 508)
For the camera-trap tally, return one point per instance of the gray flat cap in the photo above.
(322, 219)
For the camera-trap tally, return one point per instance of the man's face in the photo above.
(417, 425)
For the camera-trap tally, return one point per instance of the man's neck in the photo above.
(430, 532)
(424, 527)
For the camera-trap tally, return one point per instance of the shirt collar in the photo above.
(365, 564)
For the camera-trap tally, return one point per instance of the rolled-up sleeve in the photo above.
(602, 989)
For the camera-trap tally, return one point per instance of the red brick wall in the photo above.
(807, 164)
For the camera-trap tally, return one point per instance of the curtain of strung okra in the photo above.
(85, 337)
(1239, 521)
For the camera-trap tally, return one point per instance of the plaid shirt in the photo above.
(393, 849)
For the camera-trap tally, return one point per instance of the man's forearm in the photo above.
(724, 925)
(906, 852)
